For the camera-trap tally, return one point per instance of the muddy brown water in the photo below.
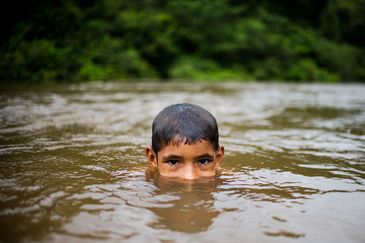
(72, 166)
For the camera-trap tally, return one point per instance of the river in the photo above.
(72, 165)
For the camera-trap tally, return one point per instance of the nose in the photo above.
(189, 173)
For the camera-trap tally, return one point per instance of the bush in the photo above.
(194, 68)
(198, 40)
(306, 70)
(36, 61)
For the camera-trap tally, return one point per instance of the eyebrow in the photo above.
(173, 156)
(205, 156)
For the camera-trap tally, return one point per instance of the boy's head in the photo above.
(185, 142)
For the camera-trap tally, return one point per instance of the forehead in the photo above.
(188, 150)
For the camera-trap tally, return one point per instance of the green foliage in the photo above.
(196, 40)
(193, 68)
(151, 32)
(35, 61)
(307, 70)
(109, 58)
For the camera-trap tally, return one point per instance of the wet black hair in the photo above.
(184, 123)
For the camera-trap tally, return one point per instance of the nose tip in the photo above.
(189, 178)
(190, 174)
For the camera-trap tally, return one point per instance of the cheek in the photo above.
(208, 170)
(211, 166)
(166, 169)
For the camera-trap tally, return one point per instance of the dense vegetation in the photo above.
(77, 40)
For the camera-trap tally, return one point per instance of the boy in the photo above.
(185, 143)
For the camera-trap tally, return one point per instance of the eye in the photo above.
(172, 162)
(204, 161)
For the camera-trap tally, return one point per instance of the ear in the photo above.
(219, 157)
(151, 156)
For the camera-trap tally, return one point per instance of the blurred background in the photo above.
(79, 40)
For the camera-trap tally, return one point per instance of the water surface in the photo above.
(72, 166)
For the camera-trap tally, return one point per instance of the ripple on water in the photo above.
(72, 166)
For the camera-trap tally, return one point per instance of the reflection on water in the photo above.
(72, 166)
(192, 206)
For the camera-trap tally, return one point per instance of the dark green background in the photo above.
(67, 40)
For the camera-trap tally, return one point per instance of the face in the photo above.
(186, 161)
